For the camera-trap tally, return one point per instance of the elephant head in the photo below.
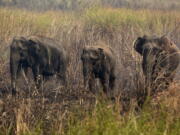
(21, 52)
(147, 44)
(152, 43)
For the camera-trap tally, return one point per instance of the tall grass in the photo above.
(54, 110)
(104, 120)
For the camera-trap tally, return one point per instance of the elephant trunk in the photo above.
(86, 72)
(86, 80)
(14, 64)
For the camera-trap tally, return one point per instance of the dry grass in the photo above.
(55, 110)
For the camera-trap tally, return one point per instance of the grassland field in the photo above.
(54, 110)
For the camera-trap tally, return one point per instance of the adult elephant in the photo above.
(43, 55)
(98, 62)
(161, 59)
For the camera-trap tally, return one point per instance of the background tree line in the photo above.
(82, 4)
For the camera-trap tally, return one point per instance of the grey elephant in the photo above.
(161, 59)
(98, 62)
(43, 55)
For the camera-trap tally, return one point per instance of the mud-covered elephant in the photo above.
(43, 55)
(160, 61)
(98, 62)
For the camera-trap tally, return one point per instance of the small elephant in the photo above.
(161, 59)
(43, 55)
(98, 62)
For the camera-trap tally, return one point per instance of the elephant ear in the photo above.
(101, 54)
(22, 41)
(165, 40)
(97, 54)
(33, 45)
(94, 56)
(32, 40)
(19, 39)
(138, 44)
(165, 43)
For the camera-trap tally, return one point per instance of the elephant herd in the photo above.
(45, 57)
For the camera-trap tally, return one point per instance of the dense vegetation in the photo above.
(55, 110)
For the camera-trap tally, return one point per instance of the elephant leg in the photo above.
(25, 70)
(13, 86)
(112, 81)
(14, 78)
(62, 73)
(105, 83)
(141, 98)
(91, 83)
(19, 71)
(24, 73)
(37, 77)
(86, 81)
(62, 77)
(46, 78)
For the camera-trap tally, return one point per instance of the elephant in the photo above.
(160, 61)
(44, 56)
(98, 62)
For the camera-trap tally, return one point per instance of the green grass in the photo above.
(104, 120)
